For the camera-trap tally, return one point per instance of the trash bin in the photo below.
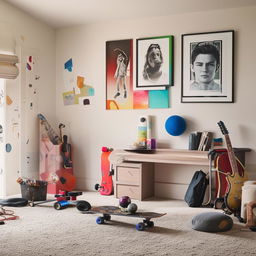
(34, 192)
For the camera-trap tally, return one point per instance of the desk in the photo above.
(134, 173)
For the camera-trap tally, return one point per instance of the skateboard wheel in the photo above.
(100, 220)
(107, 217)
(140, 226)
(32, 204)
(150, 224)
(57, 206)
(97, 186)
(61, 205)
(83, 205)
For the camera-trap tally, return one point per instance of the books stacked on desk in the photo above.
(201, 141)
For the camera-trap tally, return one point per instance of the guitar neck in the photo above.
(231, 155)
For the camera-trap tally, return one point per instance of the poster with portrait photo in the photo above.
(207, 67)
(154, 66)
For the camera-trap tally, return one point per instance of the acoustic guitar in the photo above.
(235, 177)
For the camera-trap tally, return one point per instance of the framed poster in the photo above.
(119, 74)
(154, 66)
(207, 67)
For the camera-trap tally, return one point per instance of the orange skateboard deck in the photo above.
(106, 186)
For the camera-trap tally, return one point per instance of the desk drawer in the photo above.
(127, 174)
(126, 190)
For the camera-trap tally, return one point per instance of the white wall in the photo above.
(17, 29)
(92, 127)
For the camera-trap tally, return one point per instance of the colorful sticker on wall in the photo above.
(80, 82)
(119, 73)
(30, 63)
(81, 93)
(69, 65)
(8, 100)
(68, 98)
(8, 147)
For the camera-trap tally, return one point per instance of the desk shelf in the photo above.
(168, 156)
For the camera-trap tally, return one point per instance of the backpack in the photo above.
(196, 190)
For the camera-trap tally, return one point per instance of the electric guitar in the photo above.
(235, 177)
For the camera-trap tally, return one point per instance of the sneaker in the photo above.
(117, 94)
(125, 94)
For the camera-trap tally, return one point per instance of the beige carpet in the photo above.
(42, 230)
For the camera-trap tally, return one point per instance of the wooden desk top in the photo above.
(169, 156)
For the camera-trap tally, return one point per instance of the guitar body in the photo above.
(224, 168)
(234, 193)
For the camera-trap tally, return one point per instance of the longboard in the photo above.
(107, 211)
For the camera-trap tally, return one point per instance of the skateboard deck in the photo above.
(106, 186)
(107, 211)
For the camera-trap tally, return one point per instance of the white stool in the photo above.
(248, 195)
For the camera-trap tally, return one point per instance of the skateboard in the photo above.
(106, 186)
(107, 211)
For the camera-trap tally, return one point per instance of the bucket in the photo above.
(34, 193)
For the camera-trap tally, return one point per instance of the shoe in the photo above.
(117, 94)
(125, 94)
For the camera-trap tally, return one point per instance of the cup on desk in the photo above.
(151, 144)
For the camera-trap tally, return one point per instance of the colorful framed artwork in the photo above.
(154, 65)
(119, 74)
(207, 67)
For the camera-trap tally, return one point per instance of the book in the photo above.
(194, 139)
(205, 141)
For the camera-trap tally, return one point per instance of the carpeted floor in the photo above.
(42, 230)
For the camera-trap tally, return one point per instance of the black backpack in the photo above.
(196, 189)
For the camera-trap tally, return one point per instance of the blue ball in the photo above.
(175, 125)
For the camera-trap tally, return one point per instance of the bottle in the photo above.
(142, 132)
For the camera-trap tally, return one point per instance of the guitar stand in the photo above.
(211, 156)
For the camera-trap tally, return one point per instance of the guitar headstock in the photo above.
(222, 128)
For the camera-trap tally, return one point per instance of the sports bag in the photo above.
(196, 190)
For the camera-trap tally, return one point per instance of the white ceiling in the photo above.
(65, 13)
